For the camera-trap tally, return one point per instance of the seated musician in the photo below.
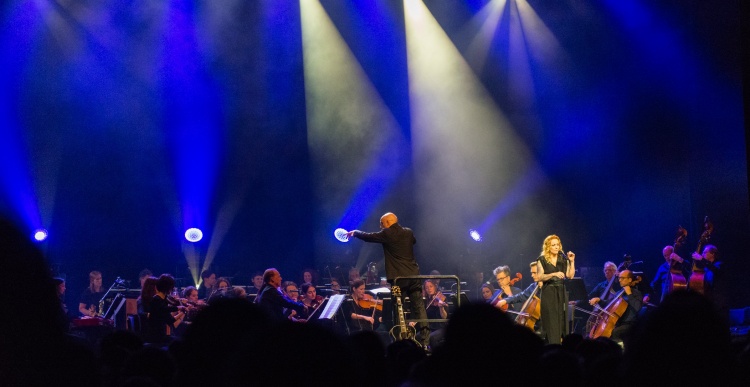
(291, 292)
(207, 285)
(271, 298)
(487, 291)
(519, 298)
(89, 302)
(634, 298)
(437, 308)
(148, 290)
(162, 313)
(502, 276)
(604, 291)
(362, 318)
(309, 298)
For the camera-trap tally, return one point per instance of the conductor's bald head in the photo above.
(388, 219)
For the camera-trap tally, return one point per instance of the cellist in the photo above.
(520, 298)
(604, 291)
(634, 299)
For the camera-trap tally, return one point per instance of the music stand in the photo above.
(576, 289)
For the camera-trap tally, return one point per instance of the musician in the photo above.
(553, 267)
(604, 291)
(222, 289)
(272, 299)
(162, 313)
(335, 286)
(398, 250)
(502, 276)
(634, 298)
(519, 298)
(291, 292)
(486, 291)
(208, 281)
(662, 278)
(148, 290)
(257, 283)
(363, 319)
(353, 275)
(145, 273)
(60, 287)
(88, 304)
(713, 269)
(437, 308)
(309, 298)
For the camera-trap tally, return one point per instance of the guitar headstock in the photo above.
(396, 291)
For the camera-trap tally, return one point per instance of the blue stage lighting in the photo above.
(40, 235)
(193, 234)
(475, 235)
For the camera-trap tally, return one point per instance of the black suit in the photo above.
(271, 299)
(398, 249)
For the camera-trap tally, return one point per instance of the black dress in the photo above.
(553, 301)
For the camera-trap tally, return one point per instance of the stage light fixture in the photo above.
(193, 234)
(475, 235)
(40, 235)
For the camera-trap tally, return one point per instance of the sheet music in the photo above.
(333, 305)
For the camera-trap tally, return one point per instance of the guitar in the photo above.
(401, 331)
(696, 282)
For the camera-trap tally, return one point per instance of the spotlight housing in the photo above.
(475, 235)
(40, 235)
(193, 234)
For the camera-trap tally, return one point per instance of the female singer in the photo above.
(553, 266)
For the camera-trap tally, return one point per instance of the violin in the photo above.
(438, 300)
(368, 302)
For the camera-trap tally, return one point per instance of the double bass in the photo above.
(676, 280)
(608, 316)
(696, 282)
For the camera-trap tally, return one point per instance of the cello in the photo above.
(676, 280)
(530, 311)
(499, 293)
(608, 316)
(696, 282)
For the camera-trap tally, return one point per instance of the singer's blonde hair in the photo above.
(546, 244)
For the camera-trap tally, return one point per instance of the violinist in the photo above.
(437, 308)
(161, 313)
(291, 292)
(634, 298)
(363, 310)
(604, 291)
(503, 278)
(309, 298)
